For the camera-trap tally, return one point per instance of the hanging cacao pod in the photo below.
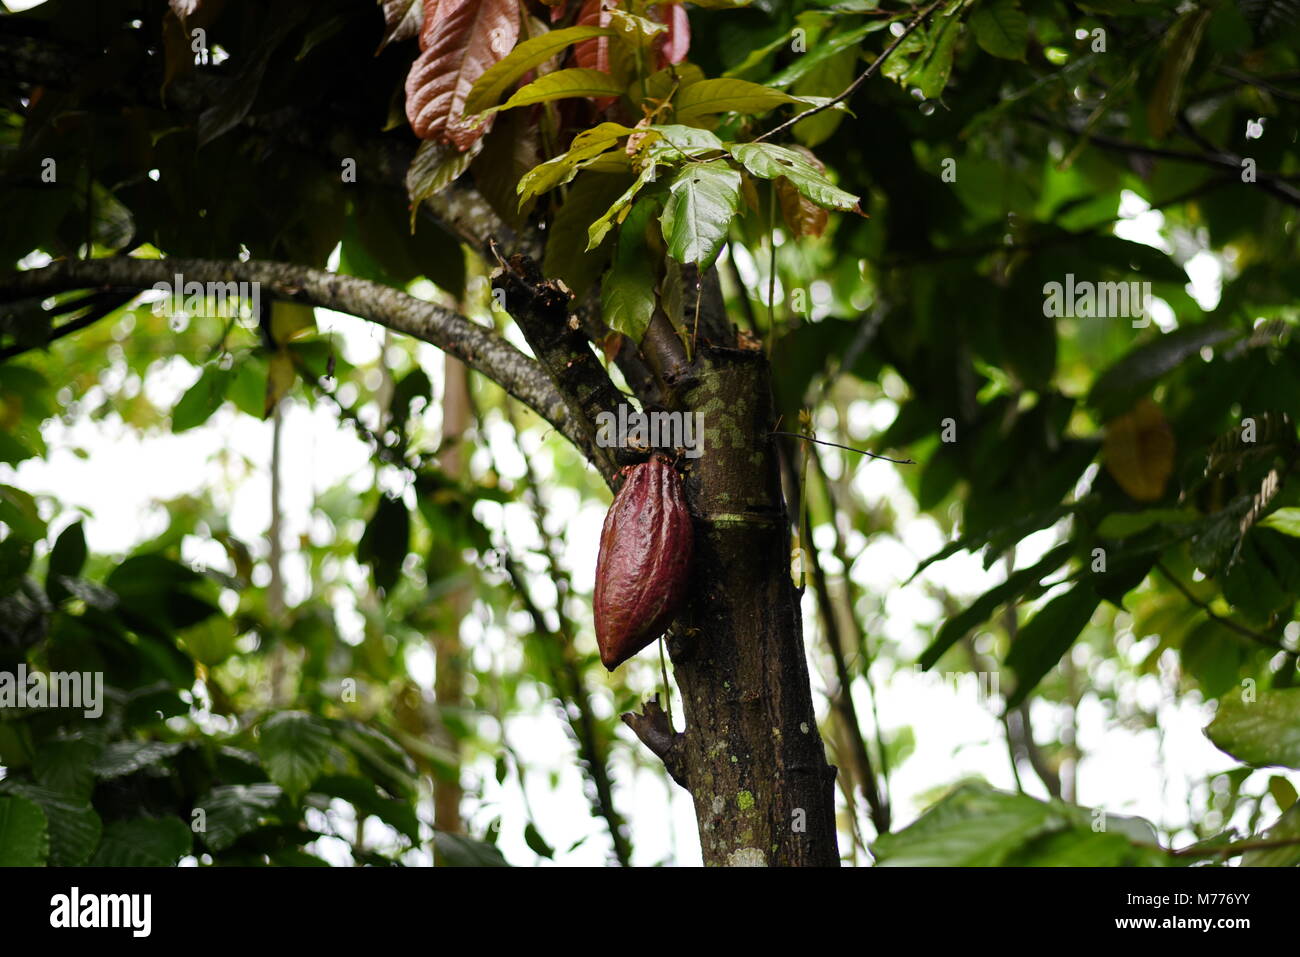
(645, 553)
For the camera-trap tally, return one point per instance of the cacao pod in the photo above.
(645, 553)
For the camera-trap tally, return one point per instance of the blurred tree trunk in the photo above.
(448, 688)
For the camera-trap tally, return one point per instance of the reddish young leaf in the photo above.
(674, 45)
(460, 40)
(592, 54)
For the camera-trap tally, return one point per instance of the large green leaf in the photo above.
(1001, 28)
(295, 747)
(768, 161)
(126, 757)
(619, 209)
(586, 147)
(727, 95)
(386, 541)
(702, 201)
(930, 70)
(628, 293)
(1262, 730)
(1049, 635)
(977, 826)
(563, 84)
(231, 811)
(458, 851)
(24, 836)
(66, 559)
(979, 611)
(74, 827)
(202, 399)
(1284, 520)
(974, 826)
(143, 842)
(492, 85)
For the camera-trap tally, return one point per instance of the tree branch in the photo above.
(479, 348)
(541, 308)
(865, 75)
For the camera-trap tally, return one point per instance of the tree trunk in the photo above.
(751, 754)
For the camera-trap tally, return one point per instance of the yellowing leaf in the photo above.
(289, 320)
(562, 84)
(1139, 451)
(585, 148)
(279, 380)
(489, 88)
(727, 96)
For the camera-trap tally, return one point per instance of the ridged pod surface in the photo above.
(645, 554)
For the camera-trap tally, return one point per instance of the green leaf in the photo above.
(64, 765)
(18, 511)
(1001, 28)
(727, 95)
(533, 838)
(973, 826)
(1047, 636)
(676, 142)
(619, 209)
(931, 69)
(628, 292)
(295, 747)
(977, 826)
(822, 51)
(492, 85)
(231, 811)
(566, 254)
(458, 851)
(380, 758)
(74, 827)
(144, 842)
(585, 148)
(562, 84)
(1115, 389)
(702, 201)
(1287, 828)
(66, 560)
(126, 757)
(768, 161)
(1284, 520)
(435, 167)
(1127, 524)
(1262, 732)
(386, 542)
(979, 611)
(366, 798)
(24, 837)
(201, 400)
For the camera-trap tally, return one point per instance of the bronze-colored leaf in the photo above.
(460, 40)
(1139, 451)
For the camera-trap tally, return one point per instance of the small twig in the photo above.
(847, 448)
(866, 74)
(102, 303)
(1226, 622)
(652, 727)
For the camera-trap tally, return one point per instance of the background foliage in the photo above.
(1135, 484)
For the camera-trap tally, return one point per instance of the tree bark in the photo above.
(751, 754)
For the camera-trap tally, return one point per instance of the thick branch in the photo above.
(541, 308)
(478, 347)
